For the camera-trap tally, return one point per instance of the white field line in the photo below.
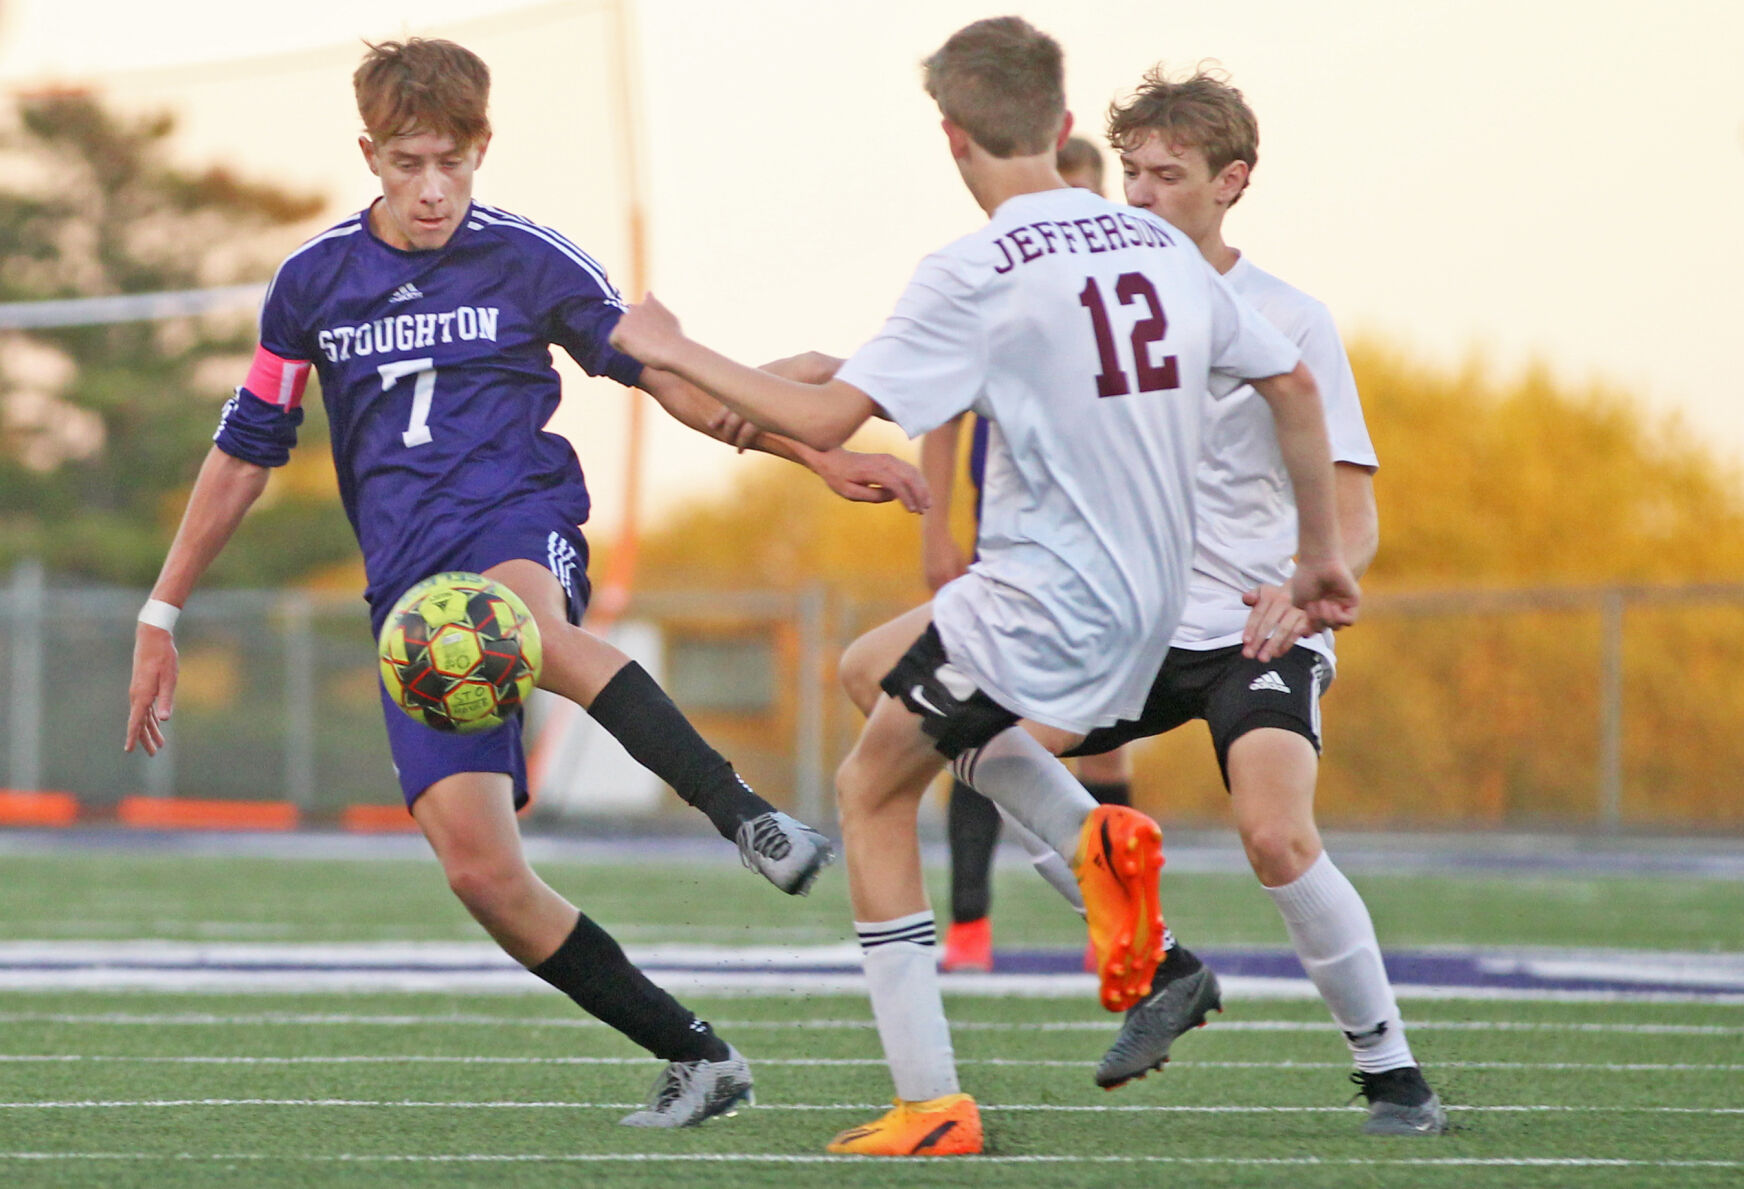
(969, 1162)
(997, 1108)
(790, 969)
(752, 984)
(483, 1020)
(848, 1062)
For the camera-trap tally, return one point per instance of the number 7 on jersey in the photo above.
(417, 433)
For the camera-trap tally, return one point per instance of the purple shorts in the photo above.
(424, 755)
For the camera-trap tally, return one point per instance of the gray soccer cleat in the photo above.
(1178, 1006)
(688, 1092)
(784, 850)
(1400, 1103)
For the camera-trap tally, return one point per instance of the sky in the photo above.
(1464, 178)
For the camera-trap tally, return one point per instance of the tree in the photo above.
(1458, 716)
(104, 426)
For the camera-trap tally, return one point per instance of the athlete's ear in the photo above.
(482, 146)
(368, 146)
(958, 139)
(1230, 181)
(1065, 133)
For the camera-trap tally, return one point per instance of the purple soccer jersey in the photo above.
(437, 380)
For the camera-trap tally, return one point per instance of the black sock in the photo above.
(972, 824)
(639, 715)
(1178, 963)
(1109, 792)
(591, 969)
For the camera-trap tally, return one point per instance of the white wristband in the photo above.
(159, 614)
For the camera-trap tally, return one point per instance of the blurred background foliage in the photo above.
(103, 427)
(1487, 480)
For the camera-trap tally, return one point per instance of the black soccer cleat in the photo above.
(1400, 1103)
(1175, 1007)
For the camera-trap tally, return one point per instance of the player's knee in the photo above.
(859, 676)
(853, 790)
(1279, 851)
(860, 794)
(486, 886)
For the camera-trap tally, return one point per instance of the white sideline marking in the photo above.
(474, 1020)
(1046, 1108)
(850, 1062)
(455, 966)
(970, 1161)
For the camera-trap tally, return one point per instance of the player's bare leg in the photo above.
(621, 696)
(1271, 785)
(469, 819)
(1272, 774)
(879, 787)
(865, 662)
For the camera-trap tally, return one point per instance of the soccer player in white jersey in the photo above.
(1089, 335)
(430, 319)
(1243, 658)
(972, 821)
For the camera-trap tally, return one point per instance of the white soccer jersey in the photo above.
(1087, 334)
(1246, 526)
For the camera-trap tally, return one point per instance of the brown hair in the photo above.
(1002, 81)
(1203, 112)
(1077, 155)
(423, 85)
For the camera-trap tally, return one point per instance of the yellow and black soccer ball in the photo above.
(460, 652)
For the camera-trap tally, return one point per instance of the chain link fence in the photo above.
(1615, 708)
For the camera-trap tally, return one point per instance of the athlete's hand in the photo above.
(1274, 625)
(649, 332)
(734, 430)
(152, 694)
(1326, 592)
(873, 478)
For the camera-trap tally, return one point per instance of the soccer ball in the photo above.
(460, 652)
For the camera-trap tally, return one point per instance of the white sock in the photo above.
(1027, 781)
(1049, 865)
(902, 974)
(1335, 939)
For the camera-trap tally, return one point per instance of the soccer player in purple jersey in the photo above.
(429, 318)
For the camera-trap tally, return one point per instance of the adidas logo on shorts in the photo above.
(1269, 680)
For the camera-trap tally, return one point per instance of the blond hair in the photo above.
(1203, 112)
(1002, 81)
(423, 85)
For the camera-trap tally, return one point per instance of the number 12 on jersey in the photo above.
(1152, 377)
(417, 433)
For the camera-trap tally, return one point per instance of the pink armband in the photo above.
(277, 381)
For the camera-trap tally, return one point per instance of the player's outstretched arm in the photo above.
(819, 416)
(1322, 585)
(223, 493)
(866, 478)
(941, 558)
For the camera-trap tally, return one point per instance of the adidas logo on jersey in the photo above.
(1269, 680)
(406, 292)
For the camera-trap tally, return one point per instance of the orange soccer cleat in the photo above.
(968, 946)
(1120, 852)
(947, 1126)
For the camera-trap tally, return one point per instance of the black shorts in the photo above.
(1234, 695)
(953, 712)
